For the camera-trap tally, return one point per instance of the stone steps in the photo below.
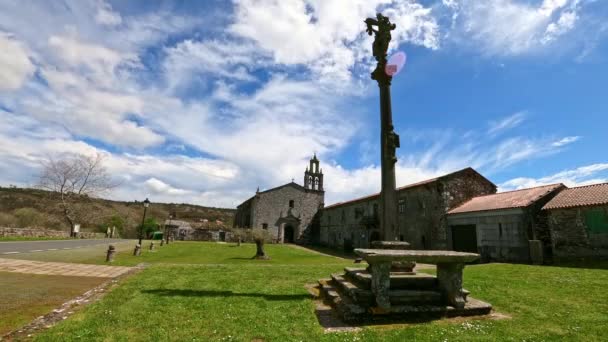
(399, 281)
(365, 297)
(352, 312)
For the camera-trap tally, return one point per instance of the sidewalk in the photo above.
(61, 268)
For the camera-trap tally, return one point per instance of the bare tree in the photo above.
(72, 178)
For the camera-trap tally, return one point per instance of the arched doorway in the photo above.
(288, 236)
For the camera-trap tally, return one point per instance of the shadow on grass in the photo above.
(333, 252)
(211, 293)
(242, 258)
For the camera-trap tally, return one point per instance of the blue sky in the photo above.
(204, 101)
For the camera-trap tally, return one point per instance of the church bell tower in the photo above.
(313, 176)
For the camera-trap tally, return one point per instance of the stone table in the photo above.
(396, 266)
(449, 271)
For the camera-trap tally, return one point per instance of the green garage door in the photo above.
(597, 221)
(464, 238)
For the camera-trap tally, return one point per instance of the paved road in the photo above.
(16, 247)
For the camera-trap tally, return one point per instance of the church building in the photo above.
(290, 211)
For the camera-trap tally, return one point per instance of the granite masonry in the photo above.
(501, 226)
(290, 212)
(422, 209)
(577, 220)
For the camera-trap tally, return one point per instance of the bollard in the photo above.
(162, 242)
(151, 246)
(137, 251)
(110, 255)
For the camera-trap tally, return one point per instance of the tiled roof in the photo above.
(580, 196)
(409, 186)
(506, 200)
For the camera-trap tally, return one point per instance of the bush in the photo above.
(7, 220)
(28, 217)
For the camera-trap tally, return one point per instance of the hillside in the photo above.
(22, 207)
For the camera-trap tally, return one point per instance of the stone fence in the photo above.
(45, 233)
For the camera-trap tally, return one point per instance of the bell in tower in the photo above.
(313, 176)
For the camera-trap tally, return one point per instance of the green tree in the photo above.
(114, 221)
(150, 226)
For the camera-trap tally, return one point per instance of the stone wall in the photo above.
(501, 234)
(572, 238)
(45, 233)
(272, 208)
(421, 209)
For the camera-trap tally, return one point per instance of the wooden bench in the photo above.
(449, 271)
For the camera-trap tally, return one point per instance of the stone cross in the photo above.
(389, 140)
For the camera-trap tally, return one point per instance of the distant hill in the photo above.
(23, 207)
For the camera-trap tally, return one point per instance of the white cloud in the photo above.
(510, 27)
(219, 59)
(312, 32)
(507, 123)
(584, 175)
(105, 15)
(565, 141)
(15, 64)
(157, 186)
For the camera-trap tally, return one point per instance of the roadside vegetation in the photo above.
(33, 208)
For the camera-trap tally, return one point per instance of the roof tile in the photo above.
(596, 194)
(506, 200)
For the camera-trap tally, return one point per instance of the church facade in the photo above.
(290, 212)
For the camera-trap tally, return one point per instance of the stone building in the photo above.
(577, 219)
(290, 211)
(422, 211)
(500, 226)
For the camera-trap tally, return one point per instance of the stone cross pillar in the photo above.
(389, 140)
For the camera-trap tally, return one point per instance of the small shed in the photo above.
(578, 222)
(500, 226)
(179, 229)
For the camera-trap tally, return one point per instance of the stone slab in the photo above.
(424, 256)
(390, 245)
(403, 281)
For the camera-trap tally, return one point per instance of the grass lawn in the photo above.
(229, 298)
(24, 297)
(182, 252)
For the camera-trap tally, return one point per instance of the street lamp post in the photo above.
(389, 140)
(143, 220)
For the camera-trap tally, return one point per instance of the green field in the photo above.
(213, 292)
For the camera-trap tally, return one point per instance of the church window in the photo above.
(291, 203)
(343, 215)
(264, 225)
